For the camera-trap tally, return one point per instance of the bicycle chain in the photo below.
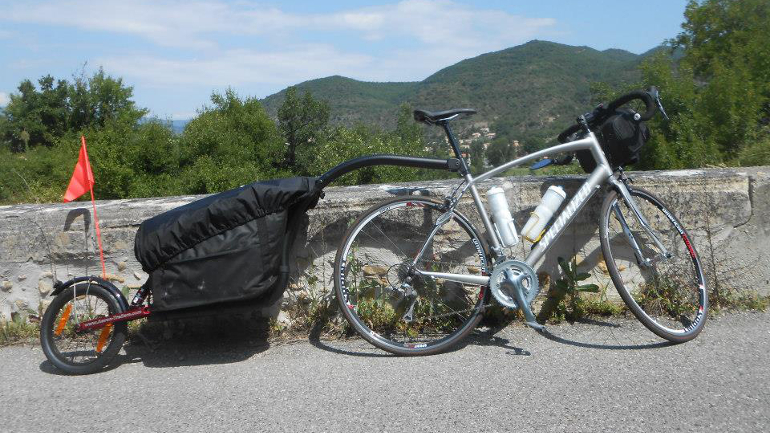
(483, 307)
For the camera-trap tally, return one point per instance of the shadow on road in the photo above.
(315, 339)
(558, 339)
(475, 339)
(610, 330)
(188, 342)
(588, 333)
(489, 339)
(230, 339)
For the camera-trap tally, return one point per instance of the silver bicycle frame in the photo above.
(599, 176)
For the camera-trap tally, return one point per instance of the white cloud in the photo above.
(442, 23)
(436, 32)
(239, 66)
(4, 99)
(193, 24)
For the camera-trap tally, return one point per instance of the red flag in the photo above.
(82, 179)
(81, 182)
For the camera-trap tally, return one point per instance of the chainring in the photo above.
(504, 295)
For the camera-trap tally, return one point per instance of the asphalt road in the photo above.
(611, 376)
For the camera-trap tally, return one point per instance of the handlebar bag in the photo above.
(621, 138)
(220, 248)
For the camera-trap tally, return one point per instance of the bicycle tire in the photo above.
(81, 352)
(669, 296)
(369, 298)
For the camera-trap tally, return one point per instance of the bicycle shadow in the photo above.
(314, 338)
(617, 331)
(475, 339)
(604, 330)
(585, 345)
(489, 339)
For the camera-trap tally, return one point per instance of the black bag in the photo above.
(221, 248)
(621, 138)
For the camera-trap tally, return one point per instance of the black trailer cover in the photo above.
(221, 248)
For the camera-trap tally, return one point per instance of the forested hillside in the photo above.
(526, 92)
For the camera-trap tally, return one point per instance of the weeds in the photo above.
(18, 329)
(564, 301)
(734, 300)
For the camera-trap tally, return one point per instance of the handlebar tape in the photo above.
(567, 132)
(645, 97)
(639, 94)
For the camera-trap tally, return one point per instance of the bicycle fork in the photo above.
(640, 259)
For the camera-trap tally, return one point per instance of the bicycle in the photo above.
(413, 276)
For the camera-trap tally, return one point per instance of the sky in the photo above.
(175, 53)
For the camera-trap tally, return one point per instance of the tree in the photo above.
(407, 129)
(303, 122)
(39, 117)
(231, 143)
(477, 157)
(98, 99)
(717, 95)
(500, 151)
(36, 117)
(726, 45)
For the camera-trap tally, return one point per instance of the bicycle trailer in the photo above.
(220, 248)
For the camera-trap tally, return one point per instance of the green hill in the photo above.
(531, 90)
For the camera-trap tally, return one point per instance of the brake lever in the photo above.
(660, 107)
(656, 97)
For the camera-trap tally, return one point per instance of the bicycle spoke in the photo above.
(389, 240)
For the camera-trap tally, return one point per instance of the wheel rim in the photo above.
(669, 293)
(81, 348)
(376, 266)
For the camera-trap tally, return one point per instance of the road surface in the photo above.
(603, 376)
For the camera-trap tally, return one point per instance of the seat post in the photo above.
(453, 142)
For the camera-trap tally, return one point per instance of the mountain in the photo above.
(177, 126)
(531, 90)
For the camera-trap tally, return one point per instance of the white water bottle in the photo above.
(501, 216)
(552, 199)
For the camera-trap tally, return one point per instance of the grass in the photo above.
(735, 300)
(18, 330)
(321, 316)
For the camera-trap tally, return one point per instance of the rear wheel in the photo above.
(667, 293)
(81, 352)
(386, 300)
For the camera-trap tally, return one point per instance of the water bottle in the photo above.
(501, 216)
(552, 199)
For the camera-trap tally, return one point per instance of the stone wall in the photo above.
(727, 212)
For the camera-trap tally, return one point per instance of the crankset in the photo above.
(514, 284)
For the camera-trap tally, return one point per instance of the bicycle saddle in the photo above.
(431, 117)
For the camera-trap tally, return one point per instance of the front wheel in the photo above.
(381, 291)
(663, 287)
(81, 352)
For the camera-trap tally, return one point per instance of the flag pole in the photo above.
(96, 218)
(98, 235)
